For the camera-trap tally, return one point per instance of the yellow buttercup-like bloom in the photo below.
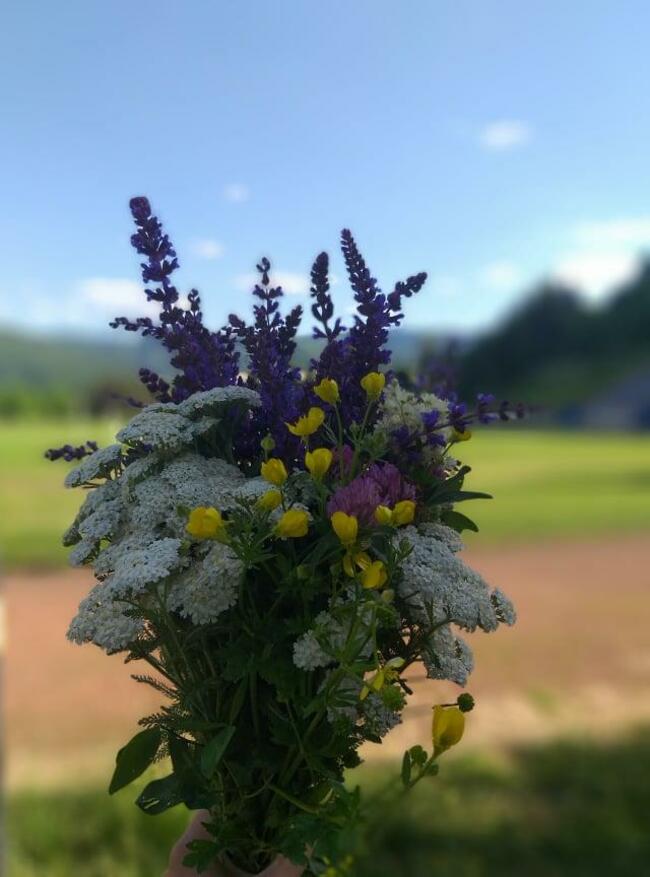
(318, 462)
(308, 424)
(346, 527)
(354, 560)
(386, 674)
(447, 729)
(274, 471)
(464, 436)
(404, 513)
(205, 523)
(373, 383)
(374, 576)
(383, 515)
(270, 500)
(293, 524)
(328, 391)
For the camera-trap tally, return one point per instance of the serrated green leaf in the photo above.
(134, 758)
(214, 751)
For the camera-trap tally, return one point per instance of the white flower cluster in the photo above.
(99, 464)
(437, 589)
(379, 719)
(400, 408)
(103, 620)
(208, 587)
(132, 527)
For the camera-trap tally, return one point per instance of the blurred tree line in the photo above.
(557, 348)
(554, 350)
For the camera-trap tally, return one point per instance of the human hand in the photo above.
(196, 831)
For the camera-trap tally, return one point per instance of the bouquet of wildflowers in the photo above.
(279, 548)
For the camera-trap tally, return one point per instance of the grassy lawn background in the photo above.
(545, 484)
(567, 808)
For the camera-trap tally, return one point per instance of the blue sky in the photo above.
(489, 143)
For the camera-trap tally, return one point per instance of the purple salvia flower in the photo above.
(270, 344)
(203, 359)
(362, 350)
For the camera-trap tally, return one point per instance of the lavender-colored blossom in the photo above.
(202, 358)
(347, 359)
(379, 485)
(270, 345)
(70, 453)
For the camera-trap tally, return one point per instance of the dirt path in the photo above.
(579, 658)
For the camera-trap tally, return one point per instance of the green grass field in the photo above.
(545, 484)
(577, 809)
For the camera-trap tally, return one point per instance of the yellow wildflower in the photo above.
(318, 462)
(404, 513)
(447, 729)
(293, 524)
(373, 383)
(270, 500)
(383, 515)
(354, 560)
(346, 527)
(386, 674)
(205, 523)
(274, 471)
(374, 576)
(328, 391)
(308, 424)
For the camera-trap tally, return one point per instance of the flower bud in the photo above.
(274, 471)
(346, 527)
(447, 728)
(270, 500)
(404, 513)
(383, 515)
(328, 391)
(318, 462)
(373, 383)
(293, 524)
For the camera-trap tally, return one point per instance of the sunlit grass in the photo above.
(545, 484)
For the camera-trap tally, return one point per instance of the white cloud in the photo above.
(291, 283)
(117, 296)
(631, 231)
(207, 248)
(444, 285)
(236, 193)
(596, 273)
(114, 294)
(505, 134)
(501, 276)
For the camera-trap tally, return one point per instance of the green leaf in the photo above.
(459, 522)
(160, 795)
(213, 752)
(202, 854)
(406, 769)
(134, 758)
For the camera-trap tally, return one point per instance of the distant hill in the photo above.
(78, 362)
(72, 361)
